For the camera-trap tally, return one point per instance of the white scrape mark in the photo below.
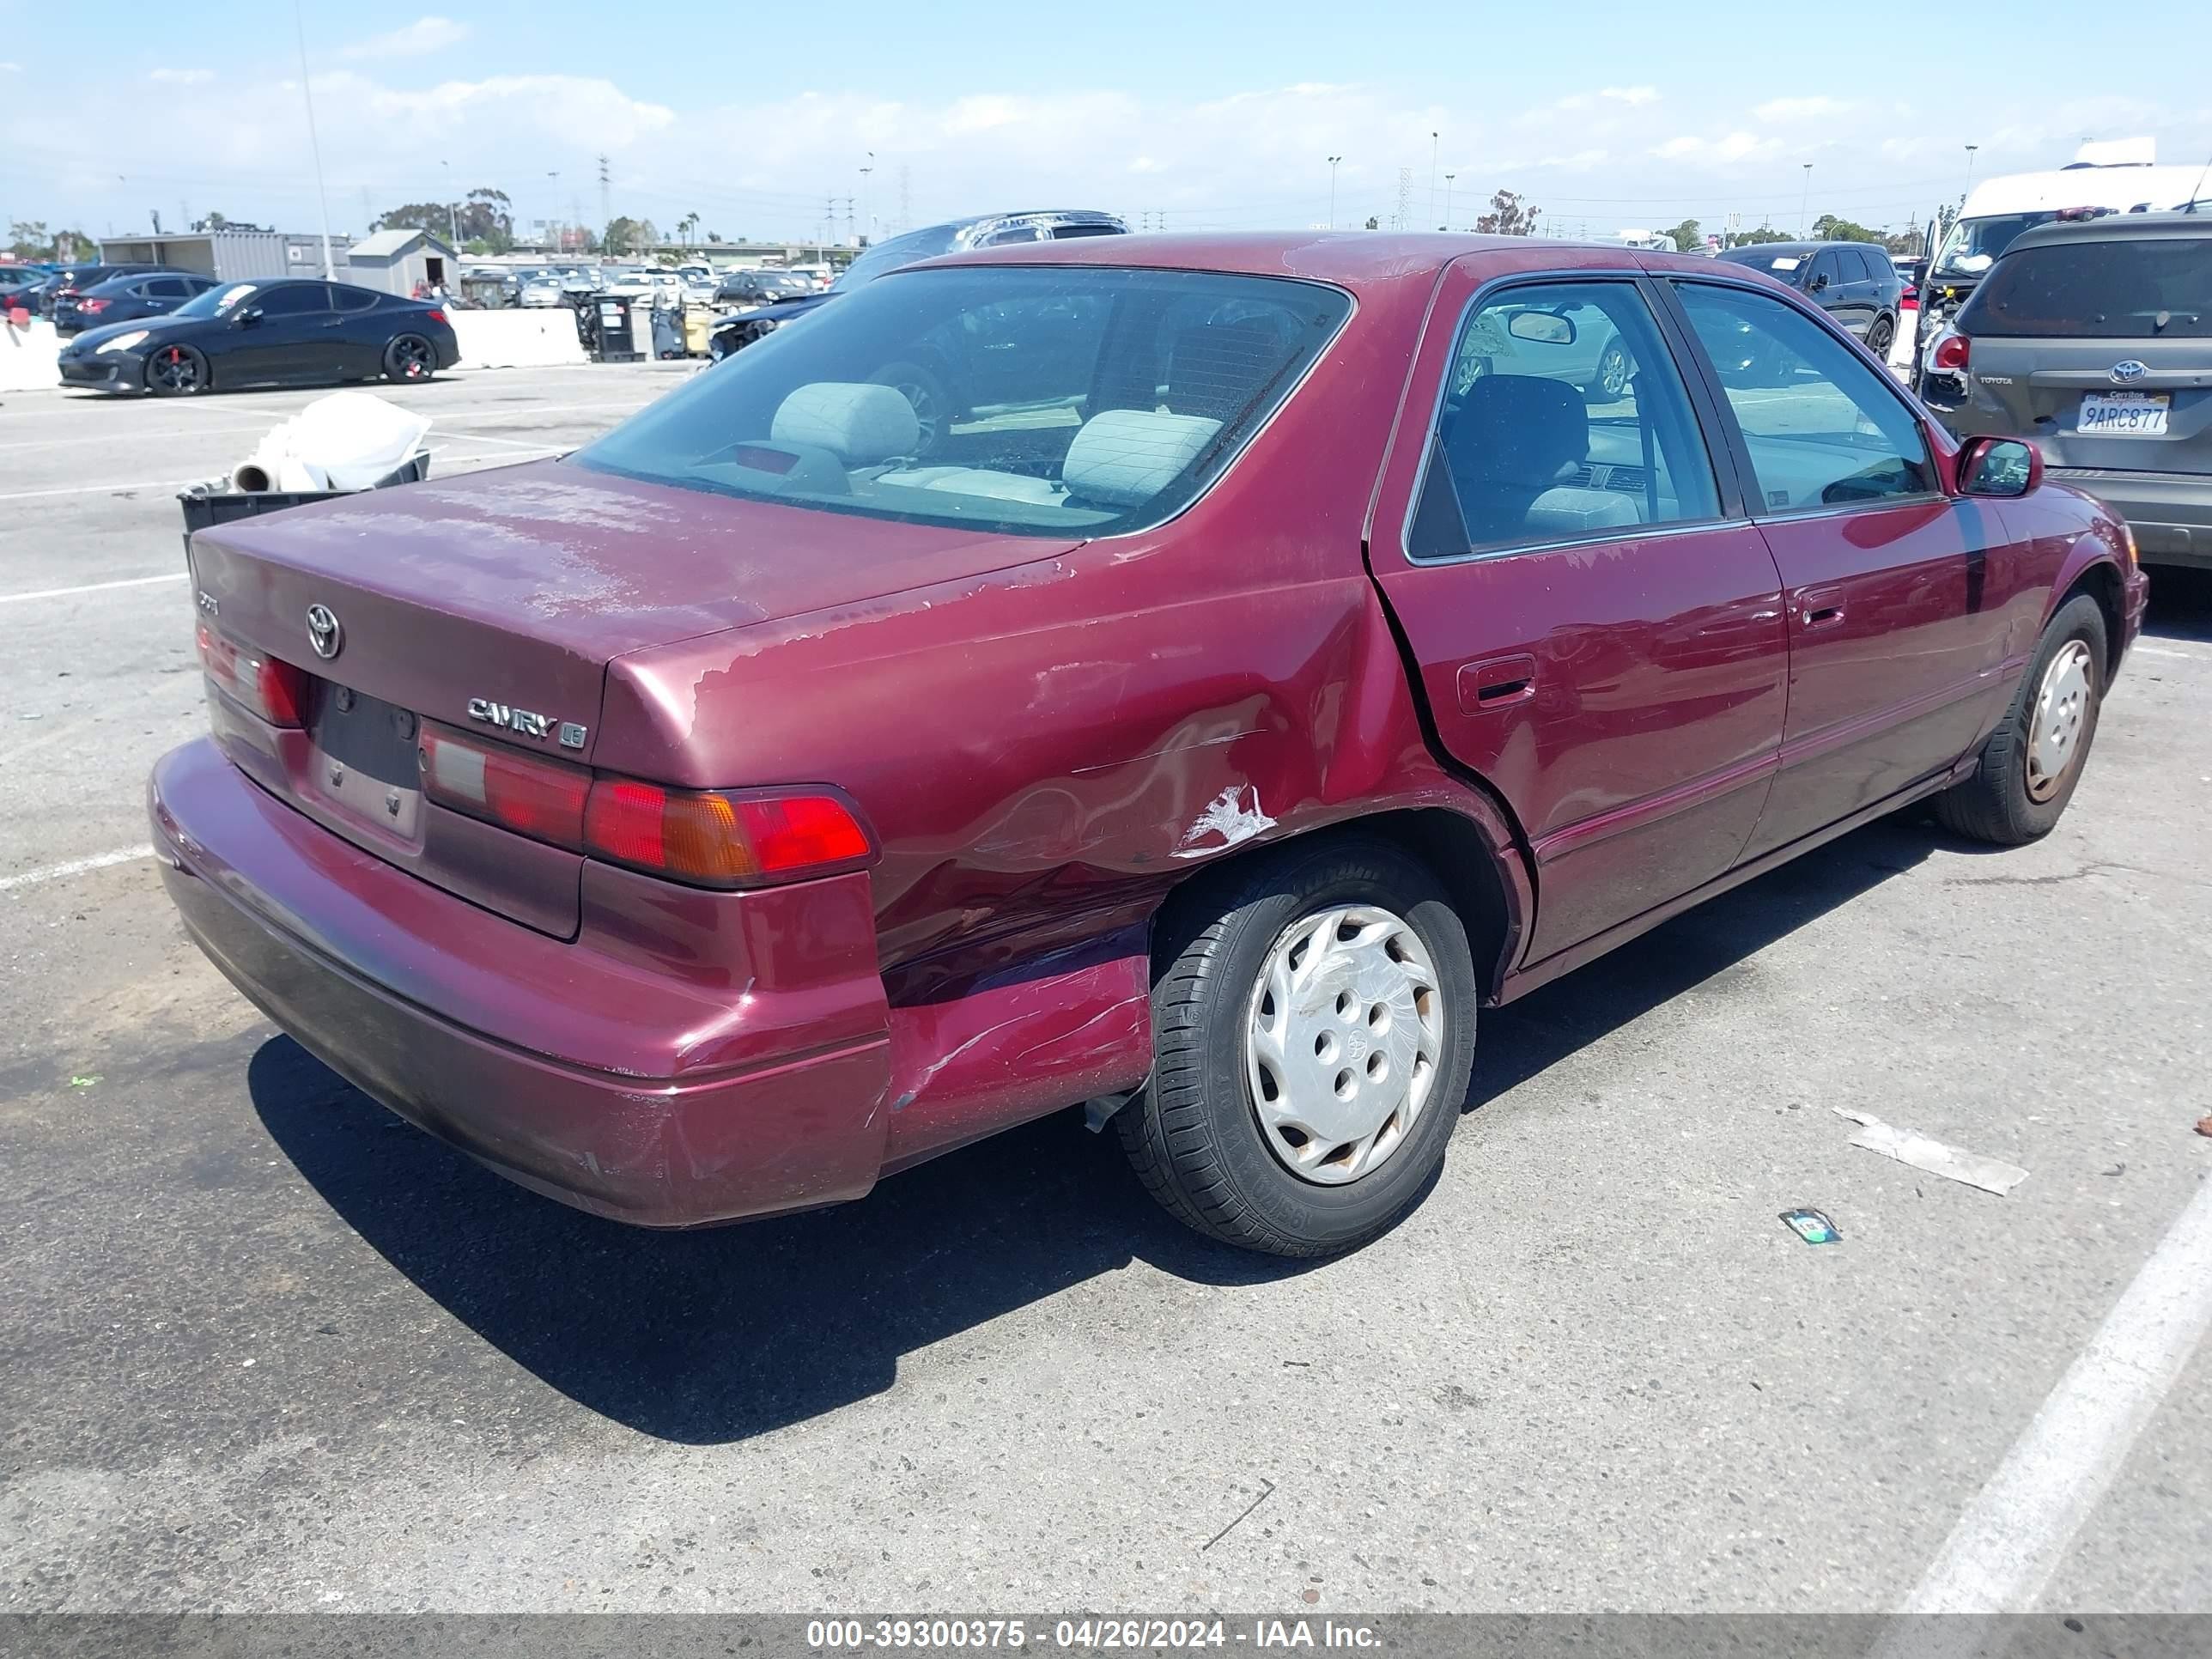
(2014, 1535)
(1233, 816)
(74, 867)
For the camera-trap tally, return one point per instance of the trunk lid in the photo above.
(511, 590)
(2122, 405)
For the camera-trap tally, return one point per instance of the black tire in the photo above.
(933, 404)
(718, 347)
(1881, 337)
(1194, 1134)
(176, 371)
(1615, 370)
(2002, 803)
(410, 357)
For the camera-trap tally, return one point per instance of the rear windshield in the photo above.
(1039, 400)
(2150, 287)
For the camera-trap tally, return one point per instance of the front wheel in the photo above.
(1313, 1035)
(2032, 762)
(926, 393)
(176, 371)
(1615, 370)
(1880, 338)
(410, 358)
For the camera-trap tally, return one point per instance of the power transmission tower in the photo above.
(607, 209)
(1405, 218)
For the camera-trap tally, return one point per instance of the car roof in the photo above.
(1348, 258)
(2114, 228)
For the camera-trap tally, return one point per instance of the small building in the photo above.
(228, 256)
(395, 260)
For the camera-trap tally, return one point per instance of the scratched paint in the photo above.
(1231, 818)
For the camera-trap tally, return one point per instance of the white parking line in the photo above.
(91, 587)
(74, 867)
(2168, 651)
(2012, 1536)
(95, 489)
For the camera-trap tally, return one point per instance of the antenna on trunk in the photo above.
(2196, 190)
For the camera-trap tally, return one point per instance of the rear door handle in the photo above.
(1496, 682)
(1824, 615)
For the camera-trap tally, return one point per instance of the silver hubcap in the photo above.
(2054, 733)
(1341, 1045)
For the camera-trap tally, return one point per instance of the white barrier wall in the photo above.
(517, 339)
(26, 357)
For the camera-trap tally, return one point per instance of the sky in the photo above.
(1605, 117)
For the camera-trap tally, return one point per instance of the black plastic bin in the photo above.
(209, 504)
(607, 325)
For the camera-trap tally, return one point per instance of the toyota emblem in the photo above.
(2129, 372)
(324, 633)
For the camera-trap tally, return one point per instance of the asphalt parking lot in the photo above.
(262, 1346)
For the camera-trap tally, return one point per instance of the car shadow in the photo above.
(2180, 604)
(718, 1335)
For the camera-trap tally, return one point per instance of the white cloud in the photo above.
(11, 69)
(1799, 109)
(1735, 147)
(1634, 97)
(181, 78)
(423, 35)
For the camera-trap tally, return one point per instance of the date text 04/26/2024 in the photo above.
(1088, 1635)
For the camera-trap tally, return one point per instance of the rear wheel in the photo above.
(176, 371)
(933, 415)
(1613, 370)
(1313, 1034)
(410, 357)
(1880, 336)
(2032, 762)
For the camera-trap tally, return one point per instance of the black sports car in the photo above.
(272, 333)
(126, 299)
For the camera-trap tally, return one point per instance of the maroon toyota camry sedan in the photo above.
(1271, 652)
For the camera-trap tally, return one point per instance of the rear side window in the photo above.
(1054, 401)
(1563, 419)
(2144, 287)
(354, 299)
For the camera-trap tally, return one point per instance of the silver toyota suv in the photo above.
(2094, 338)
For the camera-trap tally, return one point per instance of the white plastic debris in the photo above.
(348, 440)
(1992, 1175)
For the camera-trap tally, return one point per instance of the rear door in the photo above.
(2101, 350)
(1898, 624)
(1596, 625)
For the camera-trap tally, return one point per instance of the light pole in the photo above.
(1332, 161)
(452, 213)
(314, 145)
(1805, 202)
(554, 235)
(1432, 176)
(1448, 177)
(1971, 149)
(867, 223)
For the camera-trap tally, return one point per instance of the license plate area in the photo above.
(361, 760)
(2123, 414)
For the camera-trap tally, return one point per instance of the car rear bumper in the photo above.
(2170, 512)
(516, 1048)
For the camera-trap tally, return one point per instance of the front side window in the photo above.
(1822, 429)
(2142, 288)
(1564, 417)
(293, 300)
(1973, 245)
(1053, 401)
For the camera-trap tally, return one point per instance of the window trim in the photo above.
(1755, 507)
(1726, 487)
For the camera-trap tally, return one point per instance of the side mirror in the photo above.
(249, 317)
(2002, 467)
(1819, 282)
(1919, 272)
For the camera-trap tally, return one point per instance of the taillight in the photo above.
(436, 315)
(1910, 300)
(94, 306)
(712, 839)
(540, 798)
(1953, 351)
(275, 690)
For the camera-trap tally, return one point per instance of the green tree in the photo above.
(1508, 215)
(627, 235)
(1687, 237)
(1374, 223)
(1752, 238)
(1829, 228)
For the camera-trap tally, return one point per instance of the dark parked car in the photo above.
(72, 280)
(126, 299)
(2094, 338)
(761, 288)
(277, 333)
(743, 328)
(1854, 282)
(710, 822)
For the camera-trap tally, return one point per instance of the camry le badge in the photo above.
(2129, 372)
(324, 633)
(570, 734)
